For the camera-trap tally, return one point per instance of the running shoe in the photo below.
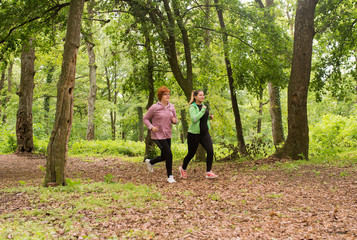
(210, 174)
(149, 165)
(183, 173)
(171, 179)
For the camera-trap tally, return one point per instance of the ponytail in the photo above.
(192, 98)
(193, 95)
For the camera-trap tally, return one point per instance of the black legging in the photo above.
(166, 154)
(192, 141)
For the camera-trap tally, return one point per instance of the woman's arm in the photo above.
(196, 116)
(149, 114)
(174, 116)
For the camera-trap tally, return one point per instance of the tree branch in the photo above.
(56, 9)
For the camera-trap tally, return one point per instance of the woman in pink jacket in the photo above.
(159, 119)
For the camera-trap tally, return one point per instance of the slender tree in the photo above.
(238, 122)
(297, 142)
(58, 144)
(9, 84)
(275, 114)
(274, 97)
(46, 100)
(2, 80)
(24, 125)
(92, 75)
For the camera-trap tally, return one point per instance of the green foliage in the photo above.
(71, 183)
(7, 141)
(109, 178)
(107, 147)
(333, 134)
(40, 145)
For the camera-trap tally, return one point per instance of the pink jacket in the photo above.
(160, 117)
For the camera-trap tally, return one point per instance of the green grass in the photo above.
(342, 160)
(55, 212)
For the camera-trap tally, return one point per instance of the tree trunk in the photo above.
(9, 82)
(274, 99)
(140, 124)
(46, 101)
(297, 142)
(149, 143)
(184, 123)
(58, 144)
(2, 81)
(260, 112)
(110, 98)
(275, 114)
(24, 125)
(238, 123)
(207, 18)
(92, 77)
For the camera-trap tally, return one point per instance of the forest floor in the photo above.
(250, 200)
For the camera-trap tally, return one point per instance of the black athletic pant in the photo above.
(192, 141)
(166, 154)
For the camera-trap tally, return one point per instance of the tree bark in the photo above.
(9, 82)
(149, 143)
(92, 78)
(275, 114)
(58, 145)
(297, 142)
(260, 112)
(184, 125)
(140, 124)
(46, 101)
(238, 123)
(2, 81)
(24, 125)
(113, 113)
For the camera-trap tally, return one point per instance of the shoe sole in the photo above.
(150, 168)
(211, 177)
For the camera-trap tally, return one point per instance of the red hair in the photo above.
(161, 91)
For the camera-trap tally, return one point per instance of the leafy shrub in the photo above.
(7, 141)
(108, 147)
(40, 145)
(333, 134)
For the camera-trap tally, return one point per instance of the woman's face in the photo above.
(165, 97)
(200, 97)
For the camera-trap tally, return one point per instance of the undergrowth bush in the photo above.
(333, 134)
(7, 141)
(107, 147)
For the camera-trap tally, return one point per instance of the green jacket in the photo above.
(195, 115)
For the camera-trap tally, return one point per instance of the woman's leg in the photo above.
(206, 142)
(192, 143)
(166, 154)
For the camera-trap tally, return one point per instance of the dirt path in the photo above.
(308, 203)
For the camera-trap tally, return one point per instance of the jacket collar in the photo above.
(194, 103)
(168, 105)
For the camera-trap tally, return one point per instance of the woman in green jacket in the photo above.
(198, 132)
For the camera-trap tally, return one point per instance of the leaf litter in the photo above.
(244, 202)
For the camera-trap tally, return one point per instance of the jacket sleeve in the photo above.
(194, 115)
(149, 114)
(174, 112)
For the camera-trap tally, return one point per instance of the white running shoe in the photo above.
(210, 174)
(171, 179)
(149, 165)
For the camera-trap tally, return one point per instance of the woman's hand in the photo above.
(211, 116)
(174, 120)
(155, 129)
